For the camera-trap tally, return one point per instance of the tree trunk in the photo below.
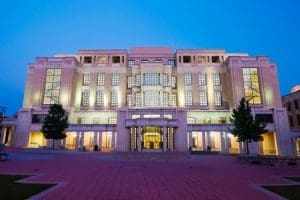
(247, 146)
(52, 144)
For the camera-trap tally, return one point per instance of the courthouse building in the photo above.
(152, 99)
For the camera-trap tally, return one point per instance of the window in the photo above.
(85, 95)
(173, 81)
(222, 120)
(131, 63)
(87, 59)
(157, 61)
(151, 79)
(173, 99)
(114, 99)
(129, 100)
(252, 85)
(138, 80)
(101, 59)
(86, 79)
(289, 107)
(200, 59)
(291, 121)
(81, 120)
(188, 98)
(187, 79)
(171, 62)
(165, 101)
(112, 120)
(144, 61)
(264, 118)
(296, 104)
(187, 59)
(202, 79)
(191, 120)
(100, 79)
(52, 86)
(207, 120)
(216, 79)
(96, 120)
(116, 59)
(129, 82)
(138, 102)
(151, 99)
(115, 79)
(99, 98)
(215, 59)
(298, 119)
(203, 98)
(218, 98)
(165, 80)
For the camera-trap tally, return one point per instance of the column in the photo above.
(208, 139)
(100, 140)
(171, 139)
(139, 139)
(222, 141)
(113, 142)
(82, 139)
(241, 149)
(190, 136)
(64, 143)
(77, 144)
(226, 142)
(164, 139)
(203, 141)
(2, 135)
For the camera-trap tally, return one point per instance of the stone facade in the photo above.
(152, 99)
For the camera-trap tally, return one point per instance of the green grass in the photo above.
(9, 189)
(288, 191)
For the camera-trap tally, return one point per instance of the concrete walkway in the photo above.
(144, 176)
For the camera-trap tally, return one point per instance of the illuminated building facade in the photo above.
(153, 99)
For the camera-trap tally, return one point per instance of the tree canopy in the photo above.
(246, 128)
(55, 123)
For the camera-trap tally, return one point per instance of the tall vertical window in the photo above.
(173, 81)
(165, 80)
(171, 62)
(188, 98)
(202, 79)
(129, 82)
(151, 78)
(52, 86)
(99, 99)
(85, 96)
(216, 79)
(86, 79)
(218, 98)
(100, 79)
(165, 101)
(114, 99)
(138, 80)
(129, 100)
(252, 85)
(173, 99)
(115, 79)
(187, 79)
(138, 101)
(203, 98)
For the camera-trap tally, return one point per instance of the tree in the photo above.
(55, 123)
(246, 128)
(2, 115)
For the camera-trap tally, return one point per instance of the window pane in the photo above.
(188, 98)
(252, 85)
(52, 86)
(203, 98)
(187, 79)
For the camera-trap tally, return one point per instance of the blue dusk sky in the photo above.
(44, 28)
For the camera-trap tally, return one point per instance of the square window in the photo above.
(187, 59)
(116, 59)
(87, 59)
(101, 59)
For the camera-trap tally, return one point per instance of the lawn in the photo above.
(9, 189)
(288, 191)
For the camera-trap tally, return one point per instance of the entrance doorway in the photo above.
(152, 138)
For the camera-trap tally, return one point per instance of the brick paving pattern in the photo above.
(125, 176)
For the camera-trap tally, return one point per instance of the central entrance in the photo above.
(152, 138)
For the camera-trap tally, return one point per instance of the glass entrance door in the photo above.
(152, 140)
